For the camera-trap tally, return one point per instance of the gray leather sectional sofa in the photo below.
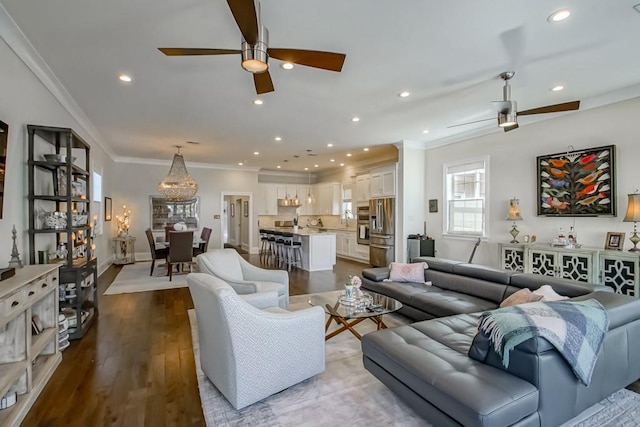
(427, 363)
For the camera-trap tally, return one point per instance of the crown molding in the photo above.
(22, 47)
(195, 165)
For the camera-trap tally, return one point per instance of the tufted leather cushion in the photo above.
(431, 359)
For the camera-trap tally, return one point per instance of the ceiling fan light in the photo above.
(507, 119)
(255, 58)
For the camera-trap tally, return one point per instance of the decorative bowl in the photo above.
(53, 157)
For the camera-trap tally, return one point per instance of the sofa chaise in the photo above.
(427, 363)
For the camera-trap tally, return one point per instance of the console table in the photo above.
(124, 250)
(28, 354)
(620, 270)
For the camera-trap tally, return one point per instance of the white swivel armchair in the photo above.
(248, 353)
(245, 278)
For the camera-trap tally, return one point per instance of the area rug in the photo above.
(135, 278)
(347, 394)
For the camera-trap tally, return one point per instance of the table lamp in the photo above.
(514, 215)
(633, 215)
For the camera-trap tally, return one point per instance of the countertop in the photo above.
(302, 231)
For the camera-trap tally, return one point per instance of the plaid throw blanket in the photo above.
(575, 329)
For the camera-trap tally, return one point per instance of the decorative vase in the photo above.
(295, 228)
(348, 291)
(123, 233)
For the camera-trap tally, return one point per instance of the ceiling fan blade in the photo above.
(180, 51)
(311, 58)
(556, 108)
(468, 123)
(244, 12)
(263, 82)
(508, 128)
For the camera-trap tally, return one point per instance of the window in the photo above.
(97, 187)
(347, 205)
(465, 198)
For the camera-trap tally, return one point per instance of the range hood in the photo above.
(290, 205)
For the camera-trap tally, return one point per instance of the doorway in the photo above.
(237, 220)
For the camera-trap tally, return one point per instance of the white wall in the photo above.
(410, 213)
(513, 174)
(133, 183)
(25, 100)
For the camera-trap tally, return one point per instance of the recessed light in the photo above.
(365, 149)
(559, 15)
(306, 169)
(315, 166)
(332, 160)
(348, 154)
(404, 94)
(355, 119)
(329, 145)
(277, 138)
(278, 166)
(341, 164)
(557, 88)
(255, 153)
(125, 78)
(240, 163)
(257, 101)
(287, 65)
(425, 131)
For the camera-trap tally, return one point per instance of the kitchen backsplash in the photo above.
(329, 221)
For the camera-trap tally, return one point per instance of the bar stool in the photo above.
(294, 250)
(280, 252)
(271, 251)
(264, 242)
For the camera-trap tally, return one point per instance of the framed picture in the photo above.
(60, 182)
(245, 208)
(107, 208)
(433, 205)
(615, 241)
(577, 183)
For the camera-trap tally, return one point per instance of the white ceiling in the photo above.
(446, 53)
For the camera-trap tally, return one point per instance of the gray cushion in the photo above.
(431, 359)
(484, 272)
(448, 303)
(467, 285)
(566, 287)
(400, 291)
(439, 264)
(376, 274)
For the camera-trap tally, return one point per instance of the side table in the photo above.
(124, 250)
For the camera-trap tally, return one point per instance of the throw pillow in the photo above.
(548, 294)
(523, 296)
(413, 272)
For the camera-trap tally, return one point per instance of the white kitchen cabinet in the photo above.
(305, 208)
(347, 246)
(343, 244)
(328, 199)
(269, 200)
(363, 189)
(383, 182)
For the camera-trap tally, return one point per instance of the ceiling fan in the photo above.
(507, 109)
(255, 48)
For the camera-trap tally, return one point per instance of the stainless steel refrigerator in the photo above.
(381, 232)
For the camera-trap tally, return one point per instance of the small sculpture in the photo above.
(15, 255)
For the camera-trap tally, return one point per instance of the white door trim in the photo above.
(238, 212)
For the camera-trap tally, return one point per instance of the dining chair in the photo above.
(204, 244)
(156, 253)
(180, 249)
(167, 229)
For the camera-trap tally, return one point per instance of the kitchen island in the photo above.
(318, 247)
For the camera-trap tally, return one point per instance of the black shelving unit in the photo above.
(51, 189)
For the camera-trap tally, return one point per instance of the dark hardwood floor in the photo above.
(135, 366)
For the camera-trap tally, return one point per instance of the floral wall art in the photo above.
(577, 183)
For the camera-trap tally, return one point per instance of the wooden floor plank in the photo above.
(135, 366)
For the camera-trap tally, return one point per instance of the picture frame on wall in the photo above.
(578, 183)
(433, 205)
(107, 209)
(614, 241)
(245, 208)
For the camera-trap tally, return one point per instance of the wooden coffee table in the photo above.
(350, 315)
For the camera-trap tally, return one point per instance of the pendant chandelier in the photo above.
(178, 184)
(310, 197)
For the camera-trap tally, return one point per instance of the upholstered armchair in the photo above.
(248, 353)
(245, 278)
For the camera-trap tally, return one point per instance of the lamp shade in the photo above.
(633, 208)
(178, 184)
(514, 210)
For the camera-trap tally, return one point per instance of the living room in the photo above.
(33, 94)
